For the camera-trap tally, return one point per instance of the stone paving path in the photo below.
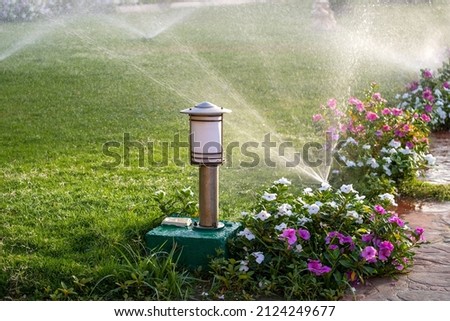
(429, 279)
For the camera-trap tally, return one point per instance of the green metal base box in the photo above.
(195, 247)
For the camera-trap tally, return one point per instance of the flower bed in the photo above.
(315, 244)
(430, 95)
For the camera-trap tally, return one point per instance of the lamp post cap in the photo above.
(206, 108)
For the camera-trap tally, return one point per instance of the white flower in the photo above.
(259, 256)
(283, 181)
(300, 200)
(303, 220)
(431, 160)
(351, 140)
(325, 186)
(353, 214)
(360, 197)
(388, 160)
(387, 170)
(280, 227)
(308, 191)
(395, 143)
(285, 209)
(247, 233)
(335, 171)
(333, 204)
(205, 294)
(389, 197)
(269, 196)
(244, 213)
(243, 267)
(366, 147)
(221, 297)
(263, 215)
(350, 163)
(313, 209)
(347, 188)
(405, 151)
(372, 162)
(298, 248)
(392, 151)
(384, 150)
(360, 164)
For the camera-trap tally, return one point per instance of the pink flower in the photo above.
(357, 103)
(406, 128)
(427, 74)
(385, 251)
(317, 117)
(386, 128)
(289, 234)
(377, 97)
(369, 253)
(359, 128)
(396, 220)
(331, 103)
(316, 267)
(397, 111)
(379, 209)
(371, 116)
(304, 234)
(386, 111)
(425, 118)
(446, 85)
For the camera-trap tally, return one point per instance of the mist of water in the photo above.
(351, 48)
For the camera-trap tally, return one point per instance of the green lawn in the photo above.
(69, 85)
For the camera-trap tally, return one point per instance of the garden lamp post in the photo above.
(206, 149)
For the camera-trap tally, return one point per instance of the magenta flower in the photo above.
(427, 74)
(396, 220)
(332, 235)
(397, 111)
(385, 250)
(371, 116)
(425, 118)
(420, 232)
(379, 209)
(369, 253)
(386, 128)
(428, 108)
(304, 234)
(316, 267)
(367, 238)
(412, 86)
(289, 234)
(333, 247)
(359, 128)
(410, 145)
(386, 111)
(317, 117)
(428, 95)
(357, 103)
(446, 85)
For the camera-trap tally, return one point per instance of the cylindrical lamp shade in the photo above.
(206, 140)
(206, 133)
